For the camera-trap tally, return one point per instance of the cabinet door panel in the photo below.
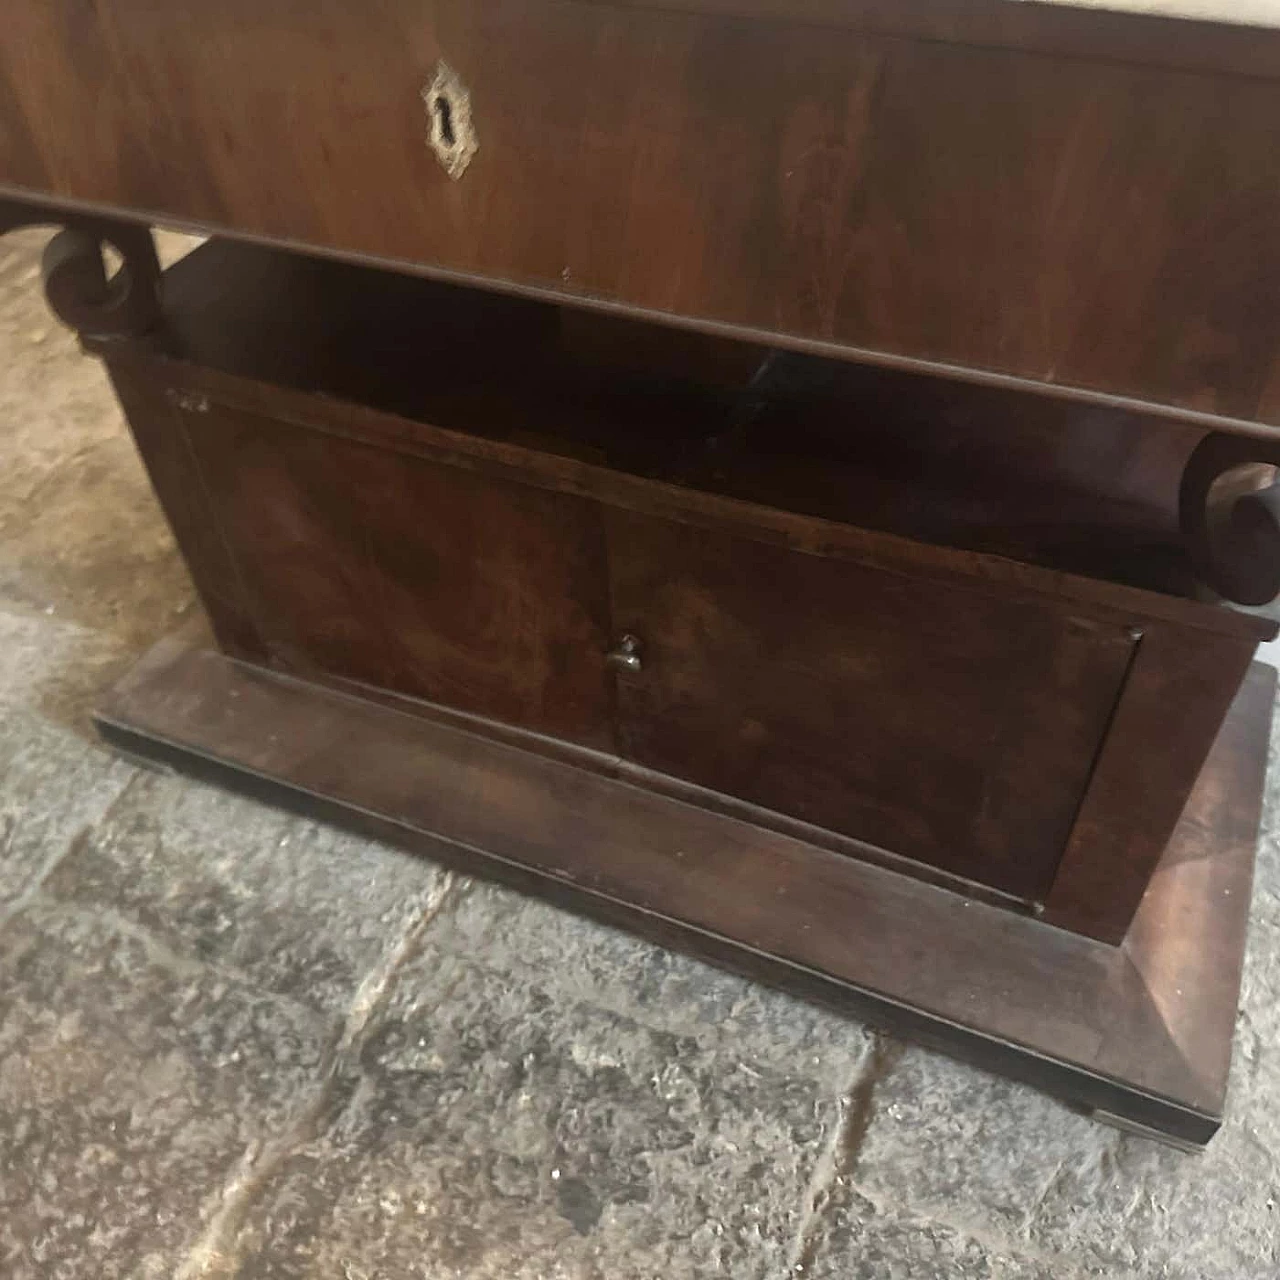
(929, 719)
(427, 580)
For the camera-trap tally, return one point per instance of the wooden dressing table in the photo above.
(782, 477)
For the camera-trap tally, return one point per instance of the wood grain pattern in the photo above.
(1016, 194)
(171, 465)
(359, 563)
(949, 728)
(1220, 35)
(1175, 697)
(1086, 224)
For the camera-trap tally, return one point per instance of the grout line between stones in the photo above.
(33, 889)
(838, 1162)
(214, 1256)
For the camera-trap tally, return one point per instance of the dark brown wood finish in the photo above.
(631, 608)
(1047, 211)
(154, 420)
(1178, 690)
(955, 729)
(530, 409)
(431, 581)
(551, 493)
(1215, 39)
(1141, 1032)
(1230, 513)
(1025, 477)
(77, 286)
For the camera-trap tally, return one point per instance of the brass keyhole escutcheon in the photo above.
(625, 655)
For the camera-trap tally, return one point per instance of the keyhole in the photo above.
(450, 132)
(444, 120)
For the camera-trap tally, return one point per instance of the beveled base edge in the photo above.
(1097, 1026)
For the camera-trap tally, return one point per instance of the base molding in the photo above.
(1140, 1032)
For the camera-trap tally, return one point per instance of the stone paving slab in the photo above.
(864, 1241)
(53, 669)
(575, 960)
(126, 579)
(55, 782)
(496, 1130)
(973, 1148)
(297, 908)
(130, 1086)
(53, 788)
(1002, 1162)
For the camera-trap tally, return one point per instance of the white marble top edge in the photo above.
(1247, 13)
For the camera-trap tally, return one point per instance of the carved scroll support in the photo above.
(80, 291)
(1229, 510)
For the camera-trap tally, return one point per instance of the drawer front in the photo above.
(426, 580)
(928, 719)
(1092, 224)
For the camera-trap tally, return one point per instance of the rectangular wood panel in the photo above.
(423, 580)
(950, 727)
(1178, 690)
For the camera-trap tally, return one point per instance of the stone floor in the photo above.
(234, 1043)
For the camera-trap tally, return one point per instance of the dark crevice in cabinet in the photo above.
(1052, 483)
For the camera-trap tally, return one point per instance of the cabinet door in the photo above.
(952, 726)
(434, 581)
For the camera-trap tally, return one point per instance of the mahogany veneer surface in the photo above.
(1057, 194)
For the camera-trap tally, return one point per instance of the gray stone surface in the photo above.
(495, 1130)
(865, 1241)
(574, 960)
(236, 1044)
(53, 668)
(53, 788)
(997, 1161)
(297, 908)
(130, 1087)
(988, 1150)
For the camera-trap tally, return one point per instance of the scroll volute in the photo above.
(1230, 516)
